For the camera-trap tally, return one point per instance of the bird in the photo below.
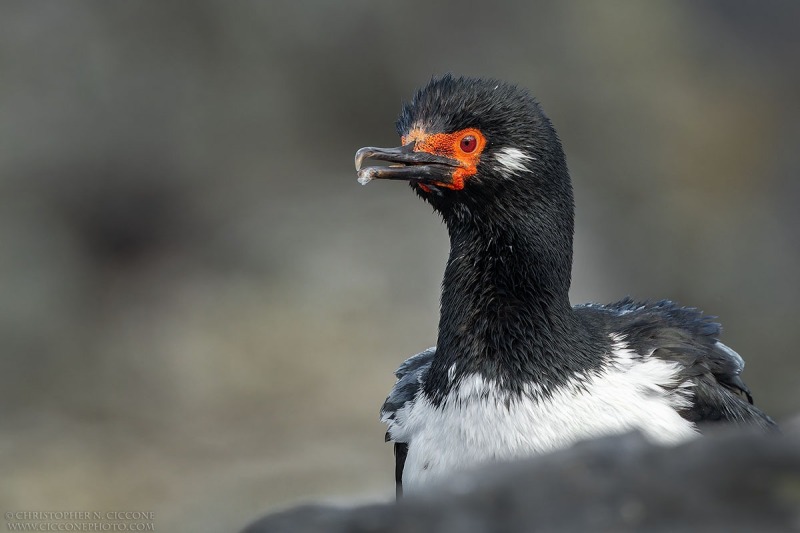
(517, 370)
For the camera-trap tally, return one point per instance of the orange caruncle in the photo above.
(450, 145)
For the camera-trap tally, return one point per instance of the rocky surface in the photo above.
(728, 482)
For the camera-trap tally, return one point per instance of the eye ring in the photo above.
(468, 143)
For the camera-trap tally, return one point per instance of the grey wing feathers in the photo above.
(410, 376)
(726, 365)
(408, 383)
(685, 336)
(719, 392)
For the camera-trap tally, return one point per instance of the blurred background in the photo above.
(201, 309)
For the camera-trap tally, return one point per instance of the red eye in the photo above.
(469, 143)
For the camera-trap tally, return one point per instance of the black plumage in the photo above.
(505, 311)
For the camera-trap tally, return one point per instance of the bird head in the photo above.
(470, 145)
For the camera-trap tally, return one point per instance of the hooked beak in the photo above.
(409, 165)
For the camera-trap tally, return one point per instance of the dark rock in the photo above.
(731, 481)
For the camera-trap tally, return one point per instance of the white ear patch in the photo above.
(512, 161)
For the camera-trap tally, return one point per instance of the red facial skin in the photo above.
(465, 146)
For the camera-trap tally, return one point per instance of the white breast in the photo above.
(480, 422)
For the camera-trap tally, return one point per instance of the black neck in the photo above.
(505, 311)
